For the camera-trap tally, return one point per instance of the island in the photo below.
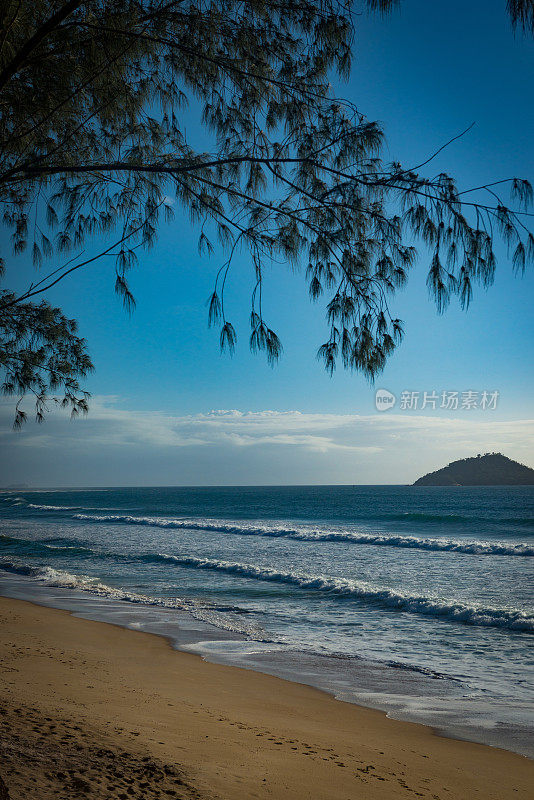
(490, 469)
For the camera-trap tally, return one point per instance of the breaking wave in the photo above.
(343, 587)
(222, 616)
(303, 534)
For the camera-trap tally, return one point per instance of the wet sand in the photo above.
(88, 709)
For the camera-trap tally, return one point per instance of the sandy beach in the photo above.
(91, 709)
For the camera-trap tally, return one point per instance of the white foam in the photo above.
(206, 612)
(510, 618)
(311, 535)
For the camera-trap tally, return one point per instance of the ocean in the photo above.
(414, 600)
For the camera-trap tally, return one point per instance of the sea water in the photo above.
(414, 600)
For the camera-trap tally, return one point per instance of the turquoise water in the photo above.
(417, 600)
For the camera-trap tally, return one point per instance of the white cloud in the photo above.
(117, 446)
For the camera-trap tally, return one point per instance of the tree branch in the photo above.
(41, 33)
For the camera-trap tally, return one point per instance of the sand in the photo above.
(89, 709)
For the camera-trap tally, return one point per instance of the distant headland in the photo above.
(491, 469)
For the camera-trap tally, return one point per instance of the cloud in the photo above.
(117, 446)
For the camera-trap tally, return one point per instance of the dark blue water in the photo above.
(434, 584)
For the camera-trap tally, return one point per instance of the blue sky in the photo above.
(426, 72)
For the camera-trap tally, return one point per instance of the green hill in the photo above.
(491, 469)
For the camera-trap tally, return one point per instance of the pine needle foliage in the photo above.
(40, 353)
(93, 144)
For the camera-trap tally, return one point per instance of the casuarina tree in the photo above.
(94, 148)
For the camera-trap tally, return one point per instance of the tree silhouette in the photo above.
(93, 145)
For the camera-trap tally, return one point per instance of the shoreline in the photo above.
(401, 693)
(226, 731)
